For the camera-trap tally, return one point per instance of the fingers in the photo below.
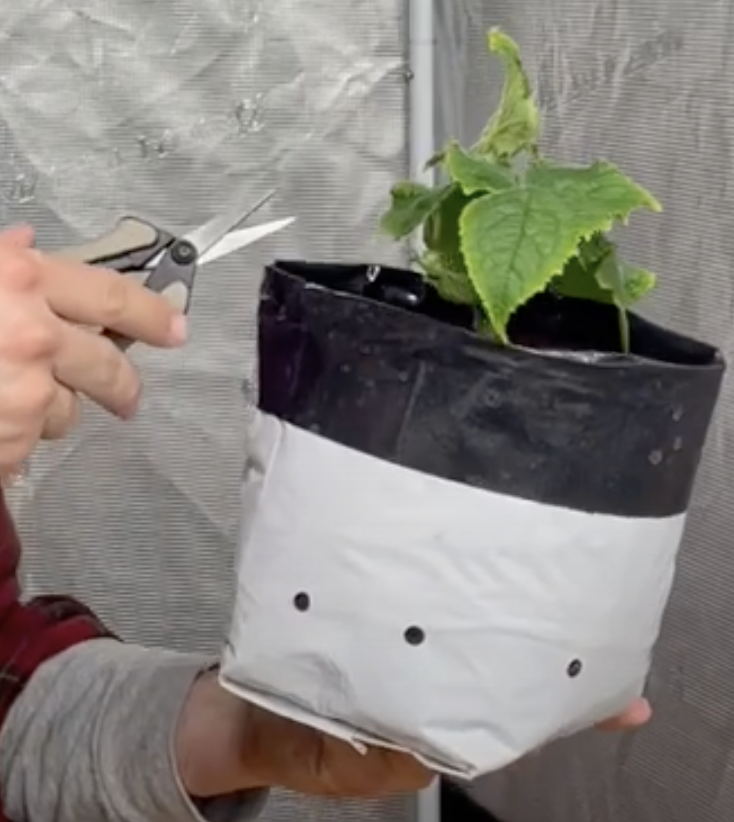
(17, 237)
(96, 297)
(391, 772)
(302, 759)
(344, 771)
(62, 415)
(635, 716)
(26, 394)
(92, 365)
(46, 358)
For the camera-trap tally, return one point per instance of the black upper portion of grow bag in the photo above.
(373, 359)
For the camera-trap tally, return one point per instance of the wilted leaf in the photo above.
(515, 126)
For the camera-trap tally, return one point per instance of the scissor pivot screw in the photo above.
(183, 252)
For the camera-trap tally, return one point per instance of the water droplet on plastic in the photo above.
(345, 368)
(115, 159)
(656, 457)
(404, 377)
(249, 116)
(678, 413)
(678, 444)
(22, 189)
(493, 399)
(157, 147)
(315, 428)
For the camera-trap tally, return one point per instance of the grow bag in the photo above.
(450, 547)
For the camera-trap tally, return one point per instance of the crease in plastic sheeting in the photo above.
(156, 65)
(65, 44)
(171, 109)
(160, 444)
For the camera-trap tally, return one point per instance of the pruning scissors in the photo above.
(170, 263)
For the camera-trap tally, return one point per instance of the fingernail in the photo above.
(129, 411)
(178, 331)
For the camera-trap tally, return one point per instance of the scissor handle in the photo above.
(129, 235)
(173, 275)
(131, 245)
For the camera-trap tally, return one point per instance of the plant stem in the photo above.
(624, 329)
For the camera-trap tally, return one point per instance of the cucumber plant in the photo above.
(506, 223)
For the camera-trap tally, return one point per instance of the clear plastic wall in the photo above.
(648, 86)
(171, 111)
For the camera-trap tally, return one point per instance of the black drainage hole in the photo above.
(574, 668)
(414, 635)
(302, 601)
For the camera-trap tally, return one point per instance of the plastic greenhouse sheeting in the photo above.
(645, 85)
(171, 109)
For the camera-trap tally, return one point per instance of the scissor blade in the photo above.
(209, 234)
(236, 240)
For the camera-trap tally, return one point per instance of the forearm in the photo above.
(91, 737)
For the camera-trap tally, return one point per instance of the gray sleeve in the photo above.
(90, 740)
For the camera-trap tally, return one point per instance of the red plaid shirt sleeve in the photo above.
(34, 631)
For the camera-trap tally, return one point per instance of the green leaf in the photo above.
(514, 243)
(435, 160)
(594, 249)
(597, 273)
(578, 278)
(595, 195)
(580, 282)
(443, 261)
(509, 224)
(412, 204)
(515, 126)
(476, 173)
(448, 276)
(441, 228)
(627, 284)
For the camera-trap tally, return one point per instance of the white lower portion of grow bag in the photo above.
(390, 607)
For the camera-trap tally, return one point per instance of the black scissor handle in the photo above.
(174, 275)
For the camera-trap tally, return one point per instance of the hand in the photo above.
(225, 745)
(47, 359)
(637, 715)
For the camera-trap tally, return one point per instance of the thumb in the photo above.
(21, 236)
